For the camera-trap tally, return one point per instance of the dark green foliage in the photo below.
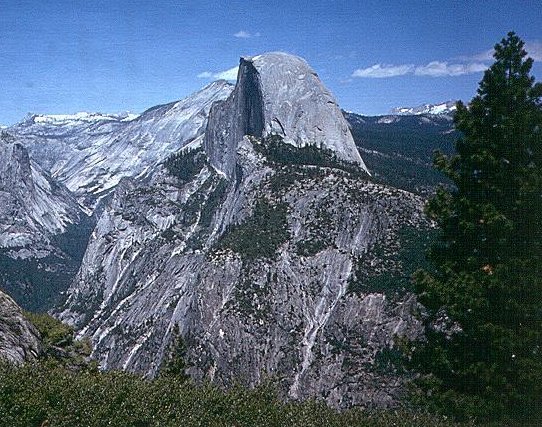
(52, 331)
(397, 264)
(261, 234)
(400, 152)
(46, 394)
(58, 344)
(213, 202)
(310, 247)
(185, 165)
(277, 151)
(37, 284)
(485, 360)
(174, 362)
(321, 233)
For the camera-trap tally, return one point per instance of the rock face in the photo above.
(268, 255)
(38, 219)
(44, 227)
(91, 153)
(32, 204)
(279, 94)
(303, 308)
(19, 340)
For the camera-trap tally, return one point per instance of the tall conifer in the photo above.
(483, 354)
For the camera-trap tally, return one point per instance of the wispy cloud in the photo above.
(444, 69)
(230, 74)
(245, 34)
(533, 48)
(432, 69)
(459, 66)
(380, 71)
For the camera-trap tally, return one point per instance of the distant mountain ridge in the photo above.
(447, 107)
(82, 116)
(91, 152)
(399, 149)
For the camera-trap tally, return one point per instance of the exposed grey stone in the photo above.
(280, 94)
(149, 267)
(91, 153)
(19, 340)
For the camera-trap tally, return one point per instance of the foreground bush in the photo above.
(47, 394)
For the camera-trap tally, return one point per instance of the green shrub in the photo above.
(53, 332)
(58, 343)
(260, 235)
(185, 165)
(47, 394)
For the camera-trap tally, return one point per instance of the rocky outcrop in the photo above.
(278, 94)
(32, 204)
(269, 247)
(19, 340)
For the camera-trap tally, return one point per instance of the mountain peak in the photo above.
(277, 94)
(447, 107)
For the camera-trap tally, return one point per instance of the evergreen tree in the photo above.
(174, 363)
(483, 354)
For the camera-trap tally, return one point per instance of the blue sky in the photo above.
(110, 56)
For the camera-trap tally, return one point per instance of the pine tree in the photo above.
(483, 354)
(174, 363)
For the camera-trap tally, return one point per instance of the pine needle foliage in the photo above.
(482, 358)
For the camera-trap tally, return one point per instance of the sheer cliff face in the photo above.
(267, 257)
(37, 221)
(19, 340)
(33, 205)
(173, 253)
(279, 94)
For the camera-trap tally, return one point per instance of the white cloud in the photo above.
(230, 74)
(245, 34)
(432, 69)
(443, 69)
(534, 50)
(379, 71)
(205, 75)
(242, 34)
(486, 55)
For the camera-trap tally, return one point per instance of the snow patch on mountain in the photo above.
(81, 117)
(448, 107)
